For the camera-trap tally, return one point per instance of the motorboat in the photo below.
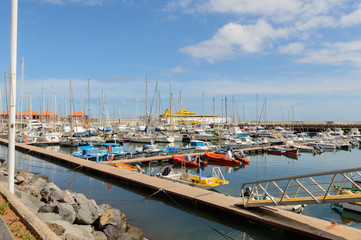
(91, 153)
(282, 151)
(183, 177)
(69, 142)
(222, 159)
(188, 160)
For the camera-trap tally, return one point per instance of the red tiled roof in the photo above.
(7, 112)
(78, 114)
(48, 113)
(30, 112)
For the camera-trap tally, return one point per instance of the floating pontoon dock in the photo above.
(209, 201)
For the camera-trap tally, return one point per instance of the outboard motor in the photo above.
(139, 169)
(166, 171)
(248, 192)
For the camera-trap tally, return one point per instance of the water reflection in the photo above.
(162, 218)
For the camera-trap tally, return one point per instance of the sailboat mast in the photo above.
(82, 108)
(52, 103)
(214, 102)
(55, 109)
(233, 110)
(202, 107)
(257, 108)
(243, 115)
(6, 93)
(181, 110)
(31, 110)
(1, 107)
(222, 109)
(156, 99)
(42, 101)
(89, 98)
(21, 96)
(225, 105)
(146, 101)
(170, 106)
(71, 110)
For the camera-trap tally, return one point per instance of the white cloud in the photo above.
(279, 11)
(320, 85)
(234, 38)
(336, 54)
(179, 69)
(315, 22)
(293, 20)
(172, 71)
(351, 19)
(292, 48)
(175, 4)
(260, 7)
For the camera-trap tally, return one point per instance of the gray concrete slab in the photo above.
(5, 233)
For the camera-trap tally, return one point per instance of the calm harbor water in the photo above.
(167, 219)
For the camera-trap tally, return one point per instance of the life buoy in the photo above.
(25, 139)
(210, 182)
(110, 157)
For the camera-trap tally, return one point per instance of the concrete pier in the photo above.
(219, 204)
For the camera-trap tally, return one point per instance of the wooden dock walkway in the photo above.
(210, 201)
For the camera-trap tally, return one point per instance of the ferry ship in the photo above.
(185, 117)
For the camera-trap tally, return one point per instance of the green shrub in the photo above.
(3, 208)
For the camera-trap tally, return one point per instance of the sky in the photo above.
(303, 55)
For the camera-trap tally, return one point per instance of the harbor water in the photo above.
(162, 218)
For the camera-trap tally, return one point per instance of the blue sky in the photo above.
(305, 54)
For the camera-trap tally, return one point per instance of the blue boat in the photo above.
(175, 150)
(91, 153)
(118, 153)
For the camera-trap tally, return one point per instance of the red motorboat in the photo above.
(222, 158)
(282, 151)
(188, 160)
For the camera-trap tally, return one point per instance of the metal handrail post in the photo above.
(284, 193)
(307, 191)
(329, 188)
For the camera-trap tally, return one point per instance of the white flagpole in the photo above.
(12, 90)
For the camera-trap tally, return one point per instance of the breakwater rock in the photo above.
(72, 216)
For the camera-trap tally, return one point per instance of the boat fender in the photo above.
(166, 171)
(25, 139)
(139, 169)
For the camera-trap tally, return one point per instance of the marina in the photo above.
(205, 201)
(183, 122)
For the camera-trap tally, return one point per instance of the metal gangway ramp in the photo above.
(318, 188)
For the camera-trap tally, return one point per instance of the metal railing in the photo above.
(318, 188)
